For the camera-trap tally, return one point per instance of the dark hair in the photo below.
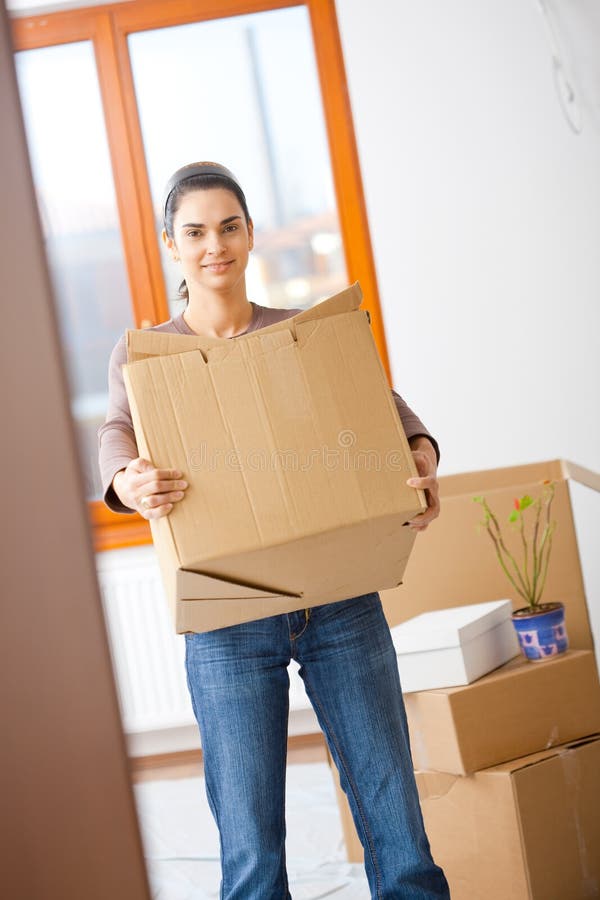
(198, 183)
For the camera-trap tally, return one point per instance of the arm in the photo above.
(130, 483)
(426, 454)
(116, 439)
(413, 427)
(425, 445)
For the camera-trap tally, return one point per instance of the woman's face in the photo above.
(211, 239)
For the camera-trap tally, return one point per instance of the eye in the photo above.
(231, 227)
(192, 233)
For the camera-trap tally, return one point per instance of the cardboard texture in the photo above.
(524, 707)
(525, 830)
(454, 561)
(296, 461)
(449, 647)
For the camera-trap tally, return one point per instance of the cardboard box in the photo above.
(454, 558)
(525, 830)
(520, 708)
(296, 460)
(449, 647)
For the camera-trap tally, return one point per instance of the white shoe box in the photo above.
(451, 647)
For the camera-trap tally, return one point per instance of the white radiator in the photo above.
(148, 657)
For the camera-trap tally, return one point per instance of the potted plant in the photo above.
(540, 626)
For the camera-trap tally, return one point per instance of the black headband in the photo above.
(191, 171)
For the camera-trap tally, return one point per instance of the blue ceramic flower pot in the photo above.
(542, 632)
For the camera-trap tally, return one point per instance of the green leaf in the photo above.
(513, 516)
(526, 501)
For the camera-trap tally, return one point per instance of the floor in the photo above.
(181, 842)
(303, 748)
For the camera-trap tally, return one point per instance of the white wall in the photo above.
(484, 211)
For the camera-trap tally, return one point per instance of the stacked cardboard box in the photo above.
(520, 708)
(508, 772)
(528, 829)
(507, 767)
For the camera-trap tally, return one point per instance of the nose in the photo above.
(215, 244)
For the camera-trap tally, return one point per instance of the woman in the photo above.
(237, 676)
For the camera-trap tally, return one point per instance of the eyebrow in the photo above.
(200, 225)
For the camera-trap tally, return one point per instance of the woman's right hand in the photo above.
(150, 491)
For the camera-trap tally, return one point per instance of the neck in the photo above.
(219, 315)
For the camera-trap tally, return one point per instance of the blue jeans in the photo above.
(238, 680)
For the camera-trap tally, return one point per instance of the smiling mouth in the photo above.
(218, 265)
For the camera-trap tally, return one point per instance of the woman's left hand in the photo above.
(425, 461)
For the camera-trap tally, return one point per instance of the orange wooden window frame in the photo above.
(108, 27)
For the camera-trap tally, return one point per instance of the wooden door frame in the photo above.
(69, 825)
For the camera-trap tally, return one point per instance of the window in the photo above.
(71, 167)
(244, 91)
(115, 98)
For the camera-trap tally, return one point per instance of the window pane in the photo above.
(73, 178)
(244, 92)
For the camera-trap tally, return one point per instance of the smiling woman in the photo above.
(238, 675)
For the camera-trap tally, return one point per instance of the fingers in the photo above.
(155, 499)
(150, 491)
(422, 462)
(154, 485)
(427, 482)
(156, 512)
(155, 490)
(142, 466)
(430, 485)
(420, 522)
(152, 505)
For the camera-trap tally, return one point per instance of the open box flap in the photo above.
(193, 585)
(581, 474)
(483, 480)
(145, 343)
(507, 476)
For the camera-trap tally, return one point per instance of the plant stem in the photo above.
(529, 587)
(546, 542)
(504, 567)
(525, 556)
(523, 591)
(536, 569)
(546, 561)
